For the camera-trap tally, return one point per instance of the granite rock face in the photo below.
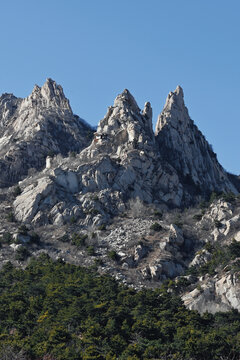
(221, 293)
(125, 161)
(32, 128)
(186, 149)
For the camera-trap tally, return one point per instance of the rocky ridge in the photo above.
(124, 193)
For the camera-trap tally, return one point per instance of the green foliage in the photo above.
(198, 217)
(90, 135)
(51, 153)
(22, 253)
(214, 196)
(72, 220)
(178, 221)
(94, 197)
(94, 212)
(79, 240)
(90, 250)
(98, 262)
(35, 238)
(6, 238)
(17, 191)
(57, 311)
(221, 257)
(72, 154)
(64, 238)
(217, 223)
(10, 217)
(203, 205)
(229, 197)
(102, 227)
(234, 249)
(112, 255)
(156, 227)
(209, 247)
(158, 214)
(23, 230)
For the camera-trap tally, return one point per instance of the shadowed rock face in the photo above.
(32, 128)
(186, 149)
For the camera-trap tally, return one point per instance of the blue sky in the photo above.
(96, 48)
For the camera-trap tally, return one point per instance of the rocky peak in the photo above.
(50, 95)
(186, 149)
(174, 112)
(34, 127)
(124, 127)
(8, 105)
(126, 101)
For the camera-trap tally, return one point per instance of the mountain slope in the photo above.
(129, 201)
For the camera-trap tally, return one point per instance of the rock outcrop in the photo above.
(32, 128)
(186, 149)
(220, 293)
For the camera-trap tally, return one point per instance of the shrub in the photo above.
(213, 197)
(203, 205)
(10, 217)
(6, 238)
(35, 238)
(158, 214)
(23, 230)
(72, 220)
(90, 250)
(156, 227)
(94, 197)
(112, 255)
(197, 217)
(17, 191)
(217, 223)
(94, 212)
(229, 197)
(98, 262)
(178, 221)
(234, 249)
(22, 254)
(73, 154)
(209, 247)
(102, 227)
(79, 240)
(51, 153)
(64, 238)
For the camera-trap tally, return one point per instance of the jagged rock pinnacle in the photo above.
(186, 149)
(127, 101)
(49, 95)
(33, 127)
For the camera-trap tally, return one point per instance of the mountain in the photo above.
(148, 208)
(32, 128)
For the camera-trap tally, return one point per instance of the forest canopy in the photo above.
(53, 310)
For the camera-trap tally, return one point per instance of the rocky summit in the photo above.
(32, 128)
(148, 207)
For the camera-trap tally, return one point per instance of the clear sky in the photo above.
(96, 48)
